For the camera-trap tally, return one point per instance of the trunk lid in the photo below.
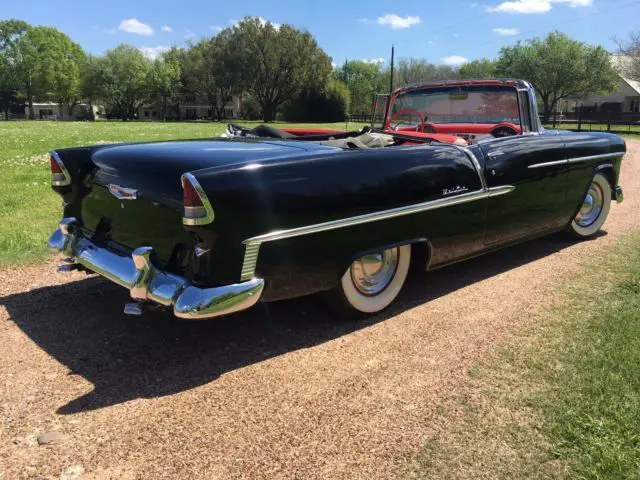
(153, 214)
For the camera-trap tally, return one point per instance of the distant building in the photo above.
(51, 111)
(624, 100)
(191, 107)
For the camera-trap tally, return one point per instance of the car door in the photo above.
(536, 165)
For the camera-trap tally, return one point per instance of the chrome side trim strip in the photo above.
(549, 164)
(501, 190)
(603, 156)
(596, 157)
(205, 202)
(476, 164)
(252, 245)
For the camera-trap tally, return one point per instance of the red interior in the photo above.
(475, 128)
(443, 132)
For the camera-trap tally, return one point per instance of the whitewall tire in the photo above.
(372, 283)
(594, 209)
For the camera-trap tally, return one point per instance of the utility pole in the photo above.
(391, 76)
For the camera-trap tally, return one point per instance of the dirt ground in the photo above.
(282, 391)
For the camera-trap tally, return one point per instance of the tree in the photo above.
(10, 32)
(329, 104)
(91, 81)
(164, 82)
(124, 73)
(629, 60)
(66, 85)
(47, 62)
(273, 64)
(364, 80)
(559, 67)
(412, 70)
(179, 56)
(484, 68)
(208, 73)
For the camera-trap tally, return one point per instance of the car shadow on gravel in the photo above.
(81, 325)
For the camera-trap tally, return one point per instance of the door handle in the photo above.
(496, 153)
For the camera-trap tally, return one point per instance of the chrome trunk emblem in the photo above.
(123, 193)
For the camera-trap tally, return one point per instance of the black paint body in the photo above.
(257, 187)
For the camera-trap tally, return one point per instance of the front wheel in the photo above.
(594, 210)
(373, 281)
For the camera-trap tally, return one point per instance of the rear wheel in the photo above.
(373, 281)
(594, 209)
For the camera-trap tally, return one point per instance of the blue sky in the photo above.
(445, 31)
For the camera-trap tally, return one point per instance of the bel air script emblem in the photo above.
(451, 191)
(123, 193)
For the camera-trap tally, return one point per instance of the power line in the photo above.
(572, 20)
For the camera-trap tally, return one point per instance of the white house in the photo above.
(51, 111)
(192, 107)
(625, 99)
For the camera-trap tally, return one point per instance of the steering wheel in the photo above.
(419, 128)
(503, 131)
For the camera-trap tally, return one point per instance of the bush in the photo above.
(251, 108)
(328, 105)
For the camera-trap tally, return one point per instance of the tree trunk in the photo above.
(268, 112)
(31, 114)
(546, 111)
(30, 97)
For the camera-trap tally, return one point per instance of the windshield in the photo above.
(450, 105)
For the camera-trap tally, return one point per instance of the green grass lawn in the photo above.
(29, 210)
(597, 127)
(561, 401)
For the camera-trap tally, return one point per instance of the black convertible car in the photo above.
(210, 227)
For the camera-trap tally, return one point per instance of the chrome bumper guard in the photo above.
(147, 283)
(619, 194)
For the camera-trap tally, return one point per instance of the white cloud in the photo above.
(189, 34)
(523, 6)
(133, 25)
(506, 32)
(154, 52)
(166, 28)
(262, 21)
(575, 3)
(455, 60)
(215, 28)
(535, 6)
(334, 65)
(396, 22)
(431, 42)
(377, 61)
(363, 20)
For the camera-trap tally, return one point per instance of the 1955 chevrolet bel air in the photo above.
(210, 227)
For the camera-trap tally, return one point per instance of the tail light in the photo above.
(197, 209)
(59, 175)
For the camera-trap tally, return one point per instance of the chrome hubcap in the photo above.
(373, 273)
(591, 206)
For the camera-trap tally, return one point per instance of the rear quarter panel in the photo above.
(253, 200)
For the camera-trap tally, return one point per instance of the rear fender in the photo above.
(420, 252)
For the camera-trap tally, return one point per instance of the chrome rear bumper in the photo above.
(147, 283)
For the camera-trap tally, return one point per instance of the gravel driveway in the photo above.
(282, 391)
